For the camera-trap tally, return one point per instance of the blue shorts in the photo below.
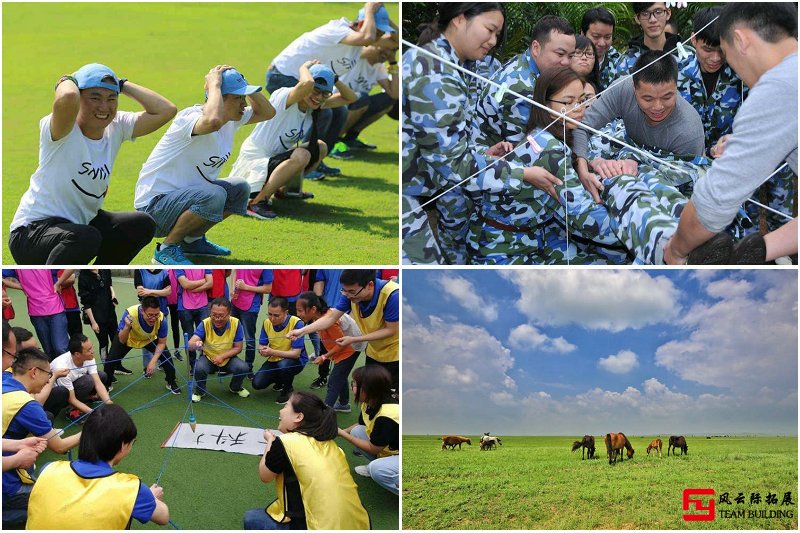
(209, 201)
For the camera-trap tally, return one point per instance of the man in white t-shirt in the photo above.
(272, 155)
(178, 183)
(59, 219)
(83, 380)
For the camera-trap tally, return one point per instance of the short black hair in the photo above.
(582, 43)
(76, 343)
(21, 334)
(662, 71)
(105, 431)
(709, 34)
(279, 301)
(313, 300)
(7, 329)
(150, 302)
(638, 7)
(224, 302)
(27, 358)
(541, 31)
(597, 14)
(357, 276)
(772, 21)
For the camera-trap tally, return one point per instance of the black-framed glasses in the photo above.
(588, 54)
(657, 13)
(49, 373)
(323, 94)
(9, 352)
(353, 295)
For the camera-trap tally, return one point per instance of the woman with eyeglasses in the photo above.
(90, 493)
(585, 60)
(273, 156)
(524, 224)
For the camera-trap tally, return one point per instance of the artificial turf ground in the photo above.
(169, 47)
(206, 489)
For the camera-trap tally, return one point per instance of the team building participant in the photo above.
(220, 337)
(59, 219)
(192, 300)
(23, 416)
(327, 288)
(69, 296)
(83, 381)
(249, 288)
(314, 487)
(377, 433)
(286, 354)
(178, 183)
(652, 18)
(598, 25)
(99, 305)
(145, 326)
(92, 483)
(153, 282)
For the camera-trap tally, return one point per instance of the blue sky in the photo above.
(570, 351)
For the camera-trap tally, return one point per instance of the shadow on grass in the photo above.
(317, 212)
(362, 183)
(385, 158)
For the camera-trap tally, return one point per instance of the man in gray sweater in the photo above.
(760, 43)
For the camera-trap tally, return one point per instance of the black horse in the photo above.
(677, 443)
(587, 443)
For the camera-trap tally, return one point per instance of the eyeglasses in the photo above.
(657, 13)
(351, 294)
(9, 352)
(573, 104)
(589, 54)
(49, 374)
(323, 94)
(151, 316)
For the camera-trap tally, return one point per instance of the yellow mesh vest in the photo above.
(384, 350)
(214, 344)
(138, 337)
(388, 410)
(277, 339)
(329, 494)
(13, 401)
(61, 499)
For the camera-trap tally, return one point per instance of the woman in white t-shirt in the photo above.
(59, 219)
(272, 155)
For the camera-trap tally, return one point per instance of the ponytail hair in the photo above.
(319, 420)
(376, 382)
(312, 300)
(449, 10)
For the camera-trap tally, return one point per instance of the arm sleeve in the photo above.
(263, 340)
(604, 110)
(200, 331)
(34, 419)
(163, 330)
(276, 459)
(343, 304)
(384, 432)
(122, 320)
(137, 278)
(299, 342)
(145, 504)
(391, 311)
(239, 336)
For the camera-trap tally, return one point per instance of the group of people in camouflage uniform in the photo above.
(529, 199)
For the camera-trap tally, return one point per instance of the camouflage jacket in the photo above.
(716, 110)
(507, 120)
(635, 48)
(608, 69)
(438, 150)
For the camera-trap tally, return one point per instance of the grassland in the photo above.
(169, 47)
(537, 483)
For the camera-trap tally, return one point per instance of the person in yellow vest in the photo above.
(144, 326)
(377, 433)
(89, 492)
(220, 337)
(286, 357)
(374, 304)
(23, 416)
(313, 484)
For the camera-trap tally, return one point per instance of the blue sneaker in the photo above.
(328, 171)
(169, 254)
(315, 175)
(204, 247)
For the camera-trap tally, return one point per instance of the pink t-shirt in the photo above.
(244, 299)
(194, 300)
(38, 287)
(172, 298)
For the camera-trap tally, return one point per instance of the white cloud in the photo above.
(607, 300)
(729, 288)
(460, 291)
(529, 337)
(408, 312)
(620, 363)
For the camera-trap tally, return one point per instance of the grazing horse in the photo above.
(678, 443)
(487, 443)
(655, 445)
(614, 444)
(452, 440)
(587, 443)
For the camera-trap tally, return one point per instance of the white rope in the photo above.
(566, 193)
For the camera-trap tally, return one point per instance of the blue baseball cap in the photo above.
(92, 75)
(381, 19)
(234, 83)
(324, 78)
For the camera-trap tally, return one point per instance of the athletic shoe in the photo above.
(294, 195)
(362, 470)
(196, 398)
(110, 388)
(242, 393)
(169, 254)
(174, 389)
(122, 370)
(328, 171)
(203, 246)
(315, 175)
(261, 210)
(113, 378)
(144, 374)
(277, 387)
(177, 354)
(73, 414)
(283, 397)
(319, 383)
(357, 144)
(341, 408)
(341, 151)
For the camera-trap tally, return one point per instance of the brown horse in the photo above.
(452, 440)
(614, 443)
(678, 443)
(655, 445)
(587, 443)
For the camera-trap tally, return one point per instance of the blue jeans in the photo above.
(384, 471)
(248, 320)
(338, 383)
(375, 104)
(235, 366)
(190, 319)
(275, 80)
(259, 519)
(281, 372)
(330, 124)
(52, 333)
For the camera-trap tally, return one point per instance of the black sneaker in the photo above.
(124, 371)
(113, 378)
(144, 374)
(177, 355)
(328, 171)
(319, 383)
(283, 397)
(173, 388)
(277, 387)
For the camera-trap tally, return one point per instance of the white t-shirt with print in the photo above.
(72, 179)
(269, 138)
(181, 160)
(363, 77)
(65, 361)
(322, 44)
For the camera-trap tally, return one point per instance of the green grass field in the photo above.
(169, 48)
(537, 483)
(207, 489)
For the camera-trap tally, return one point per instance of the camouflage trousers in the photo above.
(779, 193)
(419, 245)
